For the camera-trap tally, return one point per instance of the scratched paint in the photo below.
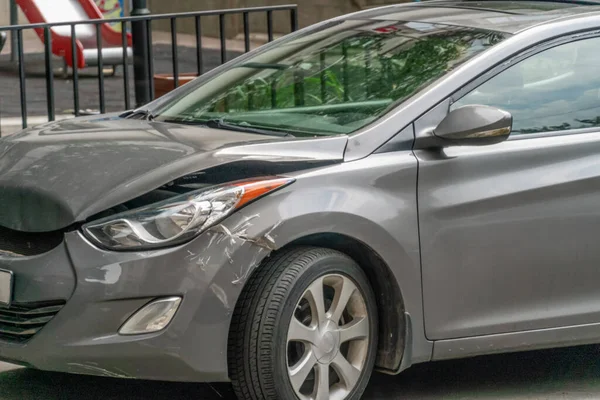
(263, 245)
(95, 370)
(112, 274)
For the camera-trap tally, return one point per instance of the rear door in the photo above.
(510, 233)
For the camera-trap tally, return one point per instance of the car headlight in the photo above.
(178, 219)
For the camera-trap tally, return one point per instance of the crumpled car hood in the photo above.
(61, 173)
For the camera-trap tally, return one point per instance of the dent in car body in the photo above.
(265, 244)
(209, 273)
(117, 160)
(41, 277)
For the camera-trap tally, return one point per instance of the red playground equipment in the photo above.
(52, 11)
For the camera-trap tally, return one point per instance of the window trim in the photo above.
(515, 59)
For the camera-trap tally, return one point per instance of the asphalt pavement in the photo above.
(564, 374)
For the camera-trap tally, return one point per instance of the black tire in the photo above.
(258, 345)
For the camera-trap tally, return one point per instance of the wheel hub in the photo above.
(328, 339)
(328, 343)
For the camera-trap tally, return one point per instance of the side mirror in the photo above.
(474, 125)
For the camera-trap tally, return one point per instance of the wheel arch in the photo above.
(390, 303)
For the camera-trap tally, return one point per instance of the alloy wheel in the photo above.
(328, 339)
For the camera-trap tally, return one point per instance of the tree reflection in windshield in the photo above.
(335, 80)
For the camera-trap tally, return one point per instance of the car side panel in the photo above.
(509, 236)
(372, 200)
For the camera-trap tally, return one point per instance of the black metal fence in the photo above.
(140, 26)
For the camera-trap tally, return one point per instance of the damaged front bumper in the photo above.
(99, 290)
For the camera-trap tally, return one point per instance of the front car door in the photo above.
(510, 232)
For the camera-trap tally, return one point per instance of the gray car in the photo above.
(406, 184)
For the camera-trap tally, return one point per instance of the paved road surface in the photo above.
(565, 374)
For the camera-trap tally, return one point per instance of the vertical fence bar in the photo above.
(250, 86)
(174, 54)
(75, 71)
(299, 88)
(250, 101)
(141, 60)
(222, 36)
(150, 58)
(199, 58)
(14, 20)
(22, 86)
(246, 32)
(345, 70)
(100, 70)
(49, 73)
(294, 19)
(367, 73)
(270, 25)
(386, 69)
(125, 45)
(293, 28)
(323, 77)
(274, 93)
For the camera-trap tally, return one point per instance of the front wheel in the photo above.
(305, 328)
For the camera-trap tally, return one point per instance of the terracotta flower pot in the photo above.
(164, 83)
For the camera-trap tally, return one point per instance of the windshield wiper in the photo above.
(221, 124)
(143, 114)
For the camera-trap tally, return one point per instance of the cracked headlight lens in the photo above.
(178, 219)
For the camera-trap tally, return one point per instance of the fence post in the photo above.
(14, 20)
(294, 19)
(141, 59)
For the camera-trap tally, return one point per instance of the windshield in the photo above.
(333, 80)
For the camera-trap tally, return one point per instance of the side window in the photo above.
(557, 89)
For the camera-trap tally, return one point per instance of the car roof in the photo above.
(503, 16)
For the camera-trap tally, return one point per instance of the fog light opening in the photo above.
(153, 317)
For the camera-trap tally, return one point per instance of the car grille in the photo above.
(20, 322)
(28, 244)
